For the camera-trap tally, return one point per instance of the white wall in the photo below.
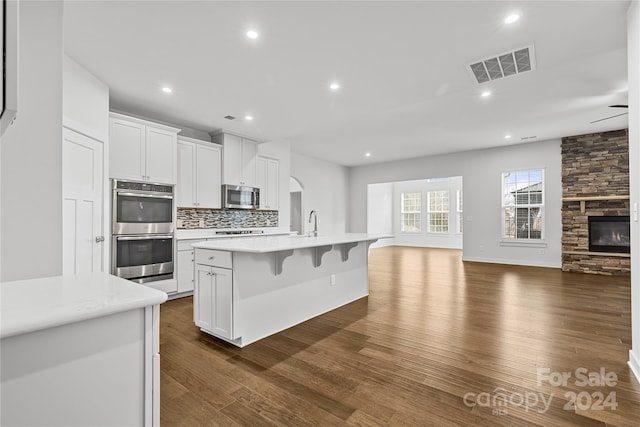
(633, 51)
(280, 150)
(481, 173)
(85, 102)
(380, 208)
(326, 190)
(31, 181)
(380, 212)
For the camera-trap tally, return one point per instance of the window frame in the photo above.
(505, 240)
(428, 211)
(403, 212)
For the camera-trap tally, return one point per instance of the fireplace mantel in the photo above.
(613, 254)
(584, 199)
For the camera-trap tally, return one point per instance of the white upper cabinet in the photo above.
(142, 151)
(268, 179)
(126, 150)
(249, 153)
(208, 176)
(238, 159)
(199, 175)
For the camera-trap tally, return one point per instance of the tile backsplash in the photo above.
(225, 218)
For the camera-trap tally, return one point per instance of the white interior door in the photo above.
(82, 183)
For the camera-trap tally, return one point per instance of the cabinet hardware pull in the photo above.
(211, 257)
(99, 239)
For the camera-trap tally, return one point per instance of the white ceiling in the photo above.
(405, 89)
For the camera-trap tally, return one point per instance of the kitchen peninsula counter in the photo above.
(247, 289)
(220, 233)
(76, 347)
(267, 244)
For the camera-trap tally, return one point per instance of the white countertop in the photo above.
(32, 305)
(210, 233)
(283, 243)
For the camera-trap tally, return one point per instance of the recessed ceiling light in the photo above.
(511, 18)
(249, 118)
(367, 154)
(334, 86)
(252, 34)
(507, 136)
(167, 90)
(485, 94)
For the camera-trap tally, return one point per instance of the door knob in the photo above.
(99, 239)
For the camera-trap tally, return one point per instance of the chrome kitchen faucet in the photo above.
(315, 223)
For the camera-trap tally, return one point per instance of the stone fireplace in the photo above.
(595, 203)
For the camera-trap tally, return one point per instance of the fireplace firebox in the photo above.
(609, 234)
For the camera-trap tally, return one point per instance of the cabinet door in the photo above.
(161, 147)
(126, 150)
(268, 181)
(273, 181)
(232, 160)
(186, 185)
(249, 154)
(222, 302)
(208, 177)
(261, 181)
(203, 297)
(185, 274)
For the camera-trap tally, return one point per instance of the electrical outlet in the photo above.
(541, 251)
(333, 280)
(201, 223)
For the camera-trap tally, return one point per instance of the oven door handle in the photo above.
(149, 237)
(151, 196)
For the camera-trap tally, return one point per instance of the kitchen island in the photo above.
(80, 350)
(248, 289)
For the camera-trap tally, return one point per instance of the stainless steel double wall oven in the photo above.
(142, 231)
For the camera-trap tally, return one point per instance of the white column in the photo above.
(31, 182)
(633, 49)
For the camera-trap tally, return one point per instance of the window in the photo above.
(523, 204)
(459, 210)
(411, 212)
(438, 211)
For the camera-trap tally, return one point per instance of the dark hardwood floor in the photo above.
(437, 342)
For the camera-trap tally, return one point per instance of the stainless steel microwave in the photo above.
(240, 197)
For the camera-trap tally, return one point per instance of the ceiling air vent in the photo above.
(503, 65)
(230, 117)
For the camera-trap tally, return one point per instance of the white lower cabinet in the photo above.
(95, 371)
(185, 273)
(213, 300)
(185, 265)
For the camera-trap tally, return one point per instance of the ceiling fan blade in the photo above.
(607, 118)
(619, 106)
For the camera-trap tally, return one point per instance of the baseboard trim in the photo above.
(527, 263)
(634, 364)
